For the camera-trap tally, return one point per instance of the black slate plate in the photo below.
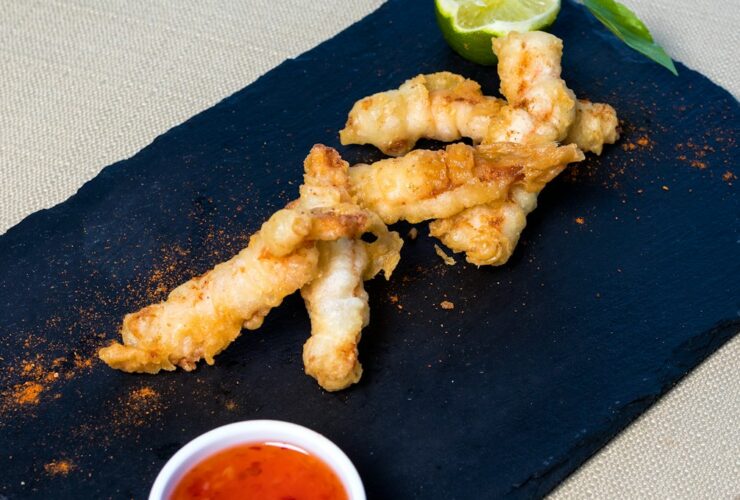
(541, 362)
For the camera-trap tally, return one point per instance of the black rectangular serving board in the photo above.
(541, 362)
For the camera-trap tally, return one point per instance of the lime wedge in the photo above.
(469, 25)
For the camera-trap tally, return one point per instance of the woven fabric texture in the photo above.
(85, 83)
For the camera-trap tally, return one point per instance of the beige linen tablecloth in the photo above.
(84, 83)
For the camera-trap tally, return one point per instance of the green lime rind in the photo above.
(475, 45)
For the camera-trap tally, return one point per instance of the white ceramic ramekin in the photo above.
(257, 431)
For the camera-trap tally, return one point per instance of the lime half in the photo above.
(469, 25)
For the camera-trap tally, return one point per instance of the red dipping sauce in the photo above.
(264, 471)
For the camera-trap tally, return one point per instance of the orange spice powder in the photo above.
(135, 409)
(29, 380)
(81, 363)
(59, 467)
(27, 393)
(144, 393)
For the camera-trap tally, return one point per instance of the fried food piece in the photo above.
(488, 234)
(447, 107)
(336, 300)
(449, 261)
(427, 185)
(540, 109)
(204, 315)
(595, 125)
(337, 304)
(540, 106)
(335, 191)
(441, 106)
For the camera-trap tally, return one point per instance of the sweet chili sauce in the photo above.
(263, 471)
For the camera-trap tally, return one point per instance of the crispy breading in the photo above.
(477, 196)
(596, 124)
(337, 304)
(427, 185)
(204, 315)
(540, 109)
(336, 300)
(441, 106)
(488, 234)
(540, 105)
(447, 107)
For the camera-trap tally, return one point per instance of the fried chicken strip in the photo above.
(203, 316)
(541, 108)
(442, 106)
(336, 300)
(488, 234)
(337, 304)
(540, 105)
(427, 185)
(446, 107)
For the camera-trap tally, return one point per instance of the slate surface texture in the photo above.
(541, 362)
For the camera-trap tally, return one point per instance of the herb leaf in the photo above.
(627, 26)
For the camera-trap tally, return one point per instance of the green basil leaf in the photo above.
(627, 26)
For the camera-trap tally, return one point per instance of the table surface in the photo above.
(85, 83)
